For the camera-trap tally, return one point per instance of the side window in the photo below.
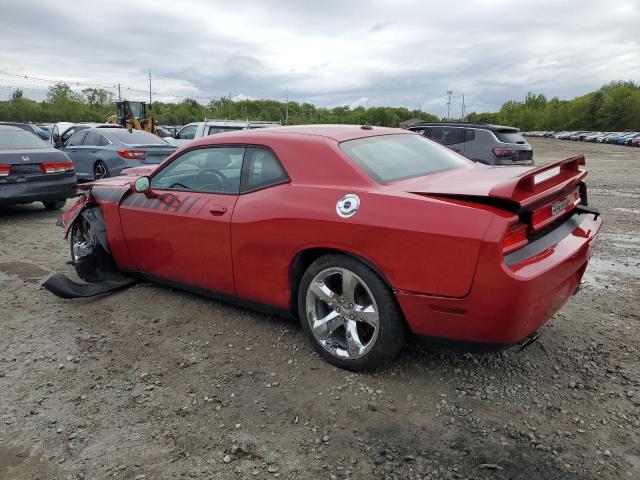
(103, 141)
(187, 133)
(261, 169)
(469, 135)
(76, 139)
(447, 135)
(210, 170)
(93, 138)
(66, 135)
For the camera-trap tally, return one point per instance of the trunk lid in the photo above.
(155, 153)
(22, 165)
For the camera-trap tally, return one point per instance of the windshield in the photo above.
(11, 139)
(389, 158)
(136, 137)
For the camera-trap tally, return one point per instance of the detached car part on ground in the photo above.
(365, 234)
(32, 171)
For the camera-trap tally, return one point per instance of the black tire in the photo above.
(54, 205)
(391, 331)
(100, 171)
(97, 264)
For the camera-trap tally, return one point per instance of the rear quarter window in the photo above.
(389, 158)
(447, 135)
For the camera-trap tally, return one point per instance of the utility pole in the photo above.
(286, 108)
(449, 93)
(119, 97)
(463, 115)
(149, 87)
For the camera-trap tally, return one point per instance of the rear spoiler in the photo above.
(534, 186)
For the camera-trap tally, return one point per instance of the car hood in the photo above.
(523, 186)
(127, 177)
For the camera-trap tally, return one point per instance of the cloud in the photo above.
(328, 53)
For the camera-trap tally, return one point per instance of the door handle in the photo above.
(218, 210)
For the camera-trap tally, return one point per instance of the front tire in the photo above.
(54, 205)
(349, 314)
(90, 260)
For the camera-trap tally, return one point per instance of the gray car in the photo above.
(103, 152)
(482, 142)
(32, 171)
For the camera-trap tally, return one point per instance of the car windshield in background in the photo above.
(136, 137)
(214, 130)
(509, 136)
(388, 158)
(11, 139)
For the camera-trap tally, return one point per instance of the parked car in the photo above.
(577, 136)
(195, 130)
(592, 136)
(626, 139)
(104, 152)
(482, 142)
(63, 131)
(327, 223)
(32, 171)
(635, 142)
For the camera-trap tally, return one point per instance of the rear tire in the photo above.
(54, 205)
(100, 171)
(90, 260)
(349, 314)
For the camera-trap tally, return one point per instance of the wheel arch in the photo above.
(307, 256)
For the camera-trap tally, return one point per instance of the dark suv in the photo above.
(483, 142)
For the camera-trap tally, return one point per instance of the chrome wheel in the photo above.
(82, 242)
(342, 313)
(100, 171)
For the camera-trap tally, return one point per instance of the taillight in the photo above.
(515, 237)
(505, 152)
(4, 170)
(56, 167)
(132, 154)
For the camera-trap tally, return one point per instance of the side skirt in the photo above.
(223, 297)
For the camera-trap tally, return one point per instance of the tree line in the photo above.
(95, 105)
(613, 107)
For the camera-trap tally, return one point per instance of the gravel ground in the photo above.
(155, 383)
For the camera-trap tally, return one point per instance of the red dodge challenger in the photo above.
(364, 233)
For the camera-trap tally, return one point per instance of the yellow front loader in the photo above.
(133, 115)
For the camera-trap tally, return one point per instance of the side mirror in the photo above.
(142, 185)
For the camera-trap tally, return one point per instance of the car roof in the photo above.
(485, 126)
(234, 123)
(339, 133)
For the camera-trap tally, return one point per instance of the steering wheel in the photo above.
(216, 179)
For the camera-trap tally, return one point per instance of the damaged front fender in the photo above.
(69, 217)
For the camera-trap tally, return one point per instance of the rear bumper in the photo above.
(60, 188)
(507, 302)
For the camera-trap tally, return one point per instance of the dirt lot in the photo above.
(156, 383)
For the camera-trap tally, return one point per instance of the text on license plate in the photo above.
(558, 207)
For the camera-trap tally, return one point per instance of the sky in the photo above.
(329, 52)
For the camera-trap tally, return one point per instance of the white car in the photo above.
(195, 130)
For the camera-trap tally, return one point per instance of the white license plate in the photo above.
(558, 207)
